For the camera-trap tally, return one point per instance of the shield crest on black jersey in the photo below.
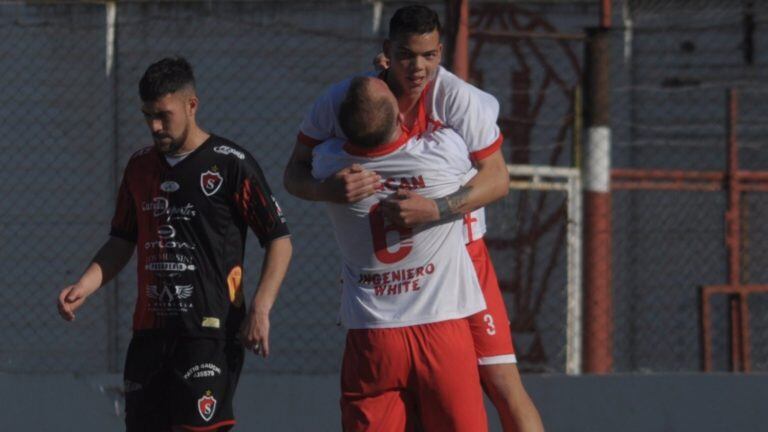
(210, 181)
(206, 406)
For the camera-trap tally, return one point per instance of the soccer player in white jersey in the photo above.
(429, 98)
(409, 358)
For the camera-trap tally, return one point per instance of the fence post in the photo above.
(112, 294)
(460, 53)
(598, 299)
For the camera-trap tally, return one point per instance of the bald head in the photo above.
(368, 113)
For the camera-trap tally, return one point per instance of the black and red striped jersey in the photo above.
(189, 223)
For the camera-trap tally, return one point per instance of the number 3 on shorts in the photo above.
(491, 330)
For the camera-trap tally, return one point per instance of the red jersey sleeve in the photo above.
(124, 224)
(256, 204)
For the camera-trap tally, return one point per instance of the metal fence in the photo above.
(672, 66)
(683, 59)
(70, 119)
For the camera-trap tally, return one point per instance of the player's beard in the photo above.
(171, 145)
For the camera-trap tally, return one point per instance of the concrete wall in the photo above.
(627, 403)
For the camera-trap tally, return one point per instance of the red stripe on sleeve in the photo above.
(484, 153)
(308, 140)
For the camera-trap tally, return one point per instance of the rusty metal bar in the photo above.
(629, 173)
(668, 186)
(743, 292)
(754, 187)
(745, 352)
(732, 217)
(461, 44)
(505, 36)
(744, 175)
(605, 14)
(730, 289)
(733, 234)
(706, 327)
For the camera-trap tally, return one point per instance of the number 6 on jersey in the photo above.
(380, 228)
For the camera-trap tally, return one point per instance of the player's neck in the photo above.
(408, 106)
(407, 102)
(195, 139)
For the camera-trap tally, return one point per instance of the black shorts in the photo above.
(180, 381)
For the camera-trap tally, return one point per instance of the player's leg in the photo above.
(374, 375)
(204, 380)
(495, 353)
(447, 380)
(145, 383)
(516, 410)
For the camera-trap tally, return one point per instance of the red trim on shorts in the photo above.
(207, 428)
(484, 153)
(377, 151)
(308, 140)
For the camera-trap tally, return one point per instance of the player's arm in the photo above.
(348, 185)
(351, 184)
(273, 270)
(107, 263)
(472, 113)
(260, 210)
(491, 183)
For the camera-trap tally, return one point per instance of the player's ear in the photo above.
(192, 104)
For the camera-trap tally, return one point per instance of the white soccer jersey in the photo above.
(393, 276)
(447, 101)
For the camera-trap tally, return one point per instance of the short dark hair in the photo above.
(367, 120)
(414, 19)
(168, 75)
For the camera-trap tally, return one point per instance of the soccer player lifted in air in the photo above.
(409, 361)
(185, 204)
(430, 98)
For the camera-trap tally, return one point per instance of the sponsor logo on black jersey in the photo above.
(160, 206)
(169, 293)
(170, 267)
(211, 322)
(169, 300)
(169, 186)
(165, 232)
(171, 244)
(226, 150)
(203, 370)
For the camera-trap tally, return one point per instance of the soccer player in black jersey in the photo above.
(185, 205)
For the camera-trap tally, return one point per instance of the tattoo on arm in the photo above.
(451, 205)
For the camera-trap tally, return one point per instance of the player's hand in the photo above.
(70, 299)
(352, 184)
(380, 62)
(255, 332)
(409, 209)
